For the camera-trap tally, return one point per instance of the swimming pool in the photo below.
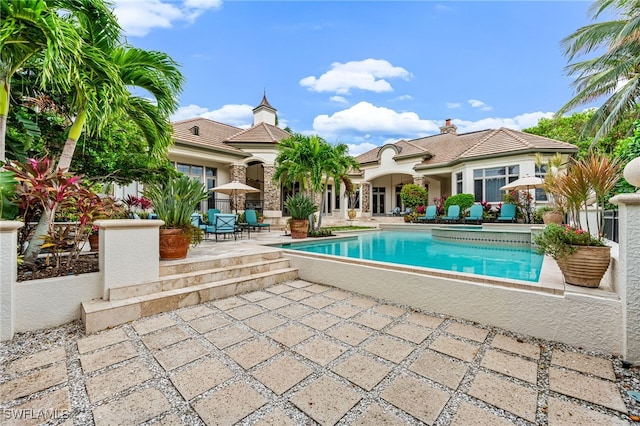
(419, 249)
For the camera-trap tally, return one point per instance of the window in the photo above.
(487, 182)
(541, 171)
(194, 172)
(459, 183)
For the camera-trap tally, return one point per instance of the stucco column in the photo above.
(628, 272)
(365, 197)
(419, 180)
(128, 252)
(271, 191)
(8, 276)
(238, 172)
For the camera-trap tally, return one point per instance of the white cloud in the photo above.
(369, 75)
(518, 122)
(479, 104)
(139, 17)
(339, 99)
(357, 149)
(453, 105)
(403, 98)
(233, 115)
(365, 117)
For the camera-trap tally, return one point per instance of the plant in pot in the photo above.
(583, 256)
(301, 207)
(174, 201)
(556, 202)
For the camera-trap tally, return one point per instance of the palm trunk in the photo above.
(4, 112)
(72, 140)
(47, 218)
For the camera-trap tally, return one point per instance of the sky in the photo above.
(364, 73)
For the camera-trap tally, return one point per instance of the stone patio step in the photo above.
(169, 268)
(102, 314)
(219, 272)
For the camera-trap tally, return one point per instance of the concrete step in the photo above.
(102, 314)
(200, 276)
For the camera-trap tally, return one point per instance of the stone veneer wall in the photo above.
(238, 172)
(272, 199)
(419, 180)
(365, 195)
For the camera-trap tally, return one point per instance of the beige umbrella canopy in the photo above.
(234, 188)
(524, 184)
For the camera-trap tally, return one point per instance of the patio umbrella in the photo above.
(234, 188)
(525, 184)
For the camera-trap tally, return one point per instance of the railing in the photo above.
(611, 225)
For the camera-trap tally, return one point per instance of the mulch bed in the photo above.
(86, 263)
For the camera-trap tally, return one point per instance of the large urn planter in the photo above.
(299, 228)
(174, 244)
(552, 216)
(586, 266)
(352, 214)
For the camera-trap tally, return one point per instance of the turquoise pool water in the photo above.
(418, 249)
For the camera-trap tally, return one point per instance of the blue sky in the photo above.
(364, 73)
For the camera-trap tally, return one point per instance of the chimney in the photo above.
(449, 128)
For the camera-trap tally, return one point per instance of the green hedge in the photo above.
(465, 201)
(413, 195)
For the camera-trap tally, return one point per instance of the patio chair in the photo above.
(405, 212)
(225, 223)
(475, 214)
(211, 216)
(429, 215)
(507, 213)
(394, 212)
(453, 214)
(252, 220)
(196, 220)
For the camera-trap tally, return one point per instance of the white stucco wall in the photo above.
(54, 301)
(8, 274)
(576, 319)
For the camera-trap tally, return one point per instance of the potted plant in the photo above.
(301, 207)
(582, 256)
(556, 202)
(174, 202)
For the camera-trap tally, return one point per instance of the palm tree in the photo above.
(100, 79)
(311, 161)
(615, 74)
(30, 29)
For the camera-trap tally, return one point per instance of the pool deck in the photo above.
(303, 353)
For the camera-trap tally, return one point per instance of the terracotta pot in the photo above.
(299, 228)
(94, 242)
(352, 214)
(552, 217)
(586, 266)
(174, 244)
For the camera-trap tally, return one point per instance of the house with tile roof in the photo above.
(449, 163)
(217, 153)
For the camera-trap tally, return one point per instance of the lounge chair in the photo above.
(394, 212)
(405, 212)
(453, 214)
(225, 223)
(475, 214)
(252, 220)
(507, 213)
(429, 215)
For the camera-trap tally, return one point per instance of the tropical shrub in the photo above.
(439, 203)
(465, 201)
(300, 206)
(413, 195)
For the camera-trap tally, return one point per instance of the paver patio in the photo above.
(302, 353)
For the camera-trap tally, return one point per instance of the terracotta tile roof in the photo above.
(260, 133)
(447, 148)
(210, 133)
